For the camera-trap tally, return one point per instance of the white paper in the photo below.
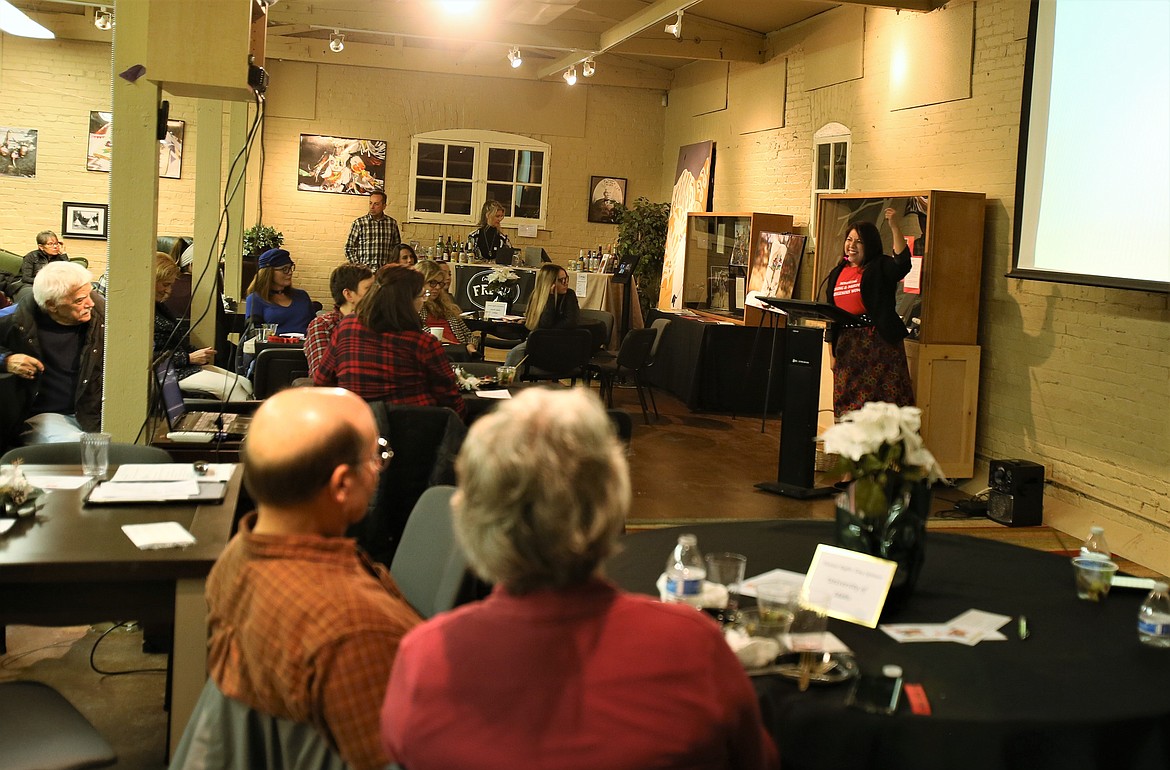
(49, 481)
(824, 641)
(218, 472)
(582, 287)
(162, 534)
(6, 524)
(969, 628)
(794, 579)
(855, 583)
(148, 472)
(495, 310)
(144, 491)
(912, 283)
(498, 394)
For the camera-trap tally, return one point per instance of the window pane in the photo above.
(428, 195)
(501, 164)
(458, 198)
(503, 194)
(840, 155)
(460, 161)
(528, 201)
(530, 167)
(823, 166)
(430, 160)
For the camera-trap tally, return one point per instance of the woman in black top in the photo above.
(551, 306)
(487, 239)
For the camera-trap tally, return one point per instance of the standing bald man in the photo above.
(303, 625)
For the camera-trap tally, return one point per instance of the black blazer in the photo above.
(879, 281)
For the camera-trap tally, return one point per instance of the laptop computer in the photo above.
(179, 419)
(535, 256)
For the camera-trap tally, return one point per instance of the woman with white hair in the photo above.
(558, 668)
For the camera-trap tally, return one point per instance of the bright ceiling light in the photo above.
(103, 19)
(571, 76)
(589, 67)
(337, 41)
(14, 22)
(676, 28)
(514, 56)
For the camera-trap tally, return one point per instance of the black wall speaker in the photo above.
(1017, 493)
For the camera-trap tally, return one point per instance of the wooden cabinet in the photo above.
(722, 250)
(939, 300)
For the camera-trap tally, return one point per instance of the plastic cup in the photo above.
(726, 569)
(436, 332)
(775, 601)
(505, 375)
(1094, 577)
(95, 453)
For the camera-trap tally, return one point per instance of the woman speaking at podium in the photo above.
(869, 356)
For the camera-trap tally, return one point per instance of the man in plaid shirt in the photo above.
(374, 238)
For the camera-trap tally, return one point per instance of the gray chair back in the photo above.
(43, 731)
(602, 321)
(70, 454)
(429, 566)
(224, 733)
(659, 326)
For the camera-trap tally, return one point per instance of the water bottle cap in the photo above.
(1161, 586)
(1097, 530)
(687, 539)
(891, 671)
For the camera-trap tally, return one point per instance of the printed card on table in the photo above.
(855, 583)
(495, 310)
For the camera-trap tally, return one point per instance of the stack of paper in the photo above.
(162, 534)
(970, 628)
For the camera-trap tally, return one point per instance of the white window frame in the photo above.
(828, 134)
(482, 141)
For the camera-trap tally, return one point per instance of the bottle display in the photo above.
(1095, 546)
(685, 572)
(1154, 617)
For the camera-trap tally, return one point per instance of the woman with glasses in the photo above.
(551, 306)
(49, 249)
(382, 352)
(439, 311)
(272, 298)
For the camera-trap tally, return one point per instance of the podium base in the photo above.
(791, 490)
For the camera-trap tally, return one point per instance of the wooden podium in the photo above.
(802, 386)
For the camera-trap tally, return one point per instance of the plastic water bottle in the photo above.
(685, 572)
(1154, 618)
(1095, 546)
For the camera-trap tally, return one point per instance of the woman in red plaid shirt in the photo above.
(382, 353)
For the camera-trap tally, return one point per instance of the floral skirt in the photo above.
(869, 369)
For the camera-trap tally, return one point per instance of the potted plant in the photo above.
(642, 237)
(260, 238)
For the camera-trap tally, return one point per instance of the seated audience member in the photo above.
(552, 306)
(272, 298)
(303, 626)
(51, 353)
(348, 283)
(195, 368)
(382, 353)
(49, 249)
(559, 668)
(440, 311)
(179, 302)
(407, 255)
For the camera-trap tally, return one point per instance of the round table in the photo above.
(1080, 692)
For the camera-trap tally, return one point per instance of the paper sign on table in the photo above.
(855, 583)
(495, 310)
(582, 284)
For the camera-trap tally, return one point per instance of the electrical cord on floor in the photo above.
(93, 653)
(974, 507)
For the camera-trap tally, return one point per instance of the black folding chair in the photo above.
(557, 354)
(276, 368)
(632, 358)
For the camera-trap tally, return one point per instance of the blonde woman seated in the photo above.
(559, 668)
(382, 353)
(551, 306)
(440, 311)
(193, 367)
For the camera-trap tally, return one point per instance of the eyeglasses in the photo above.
(436, 284)
(564, 279)
(287, 269)
(53, 243)
(382, 458)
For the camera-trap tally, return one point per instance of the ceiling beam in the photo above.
(899, 5)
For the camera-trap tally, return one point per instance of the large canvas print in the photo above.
(336, 164)
(100, 152)
(170, 154)
(775, 264)
(692, 192)
(18, 152)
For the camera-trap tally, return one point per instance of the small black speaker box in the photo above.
(1017, 493)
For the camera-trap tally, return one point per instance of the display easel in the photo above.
(802, 387)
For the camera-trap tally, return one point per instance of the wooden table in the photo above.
(72, 564)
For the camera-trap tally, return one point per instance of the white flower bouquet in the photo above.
(501, 276)
(17, 495)
(465, 381)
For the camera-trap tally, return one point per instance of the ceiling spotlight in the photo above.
(676, 28)
(589, 67)
(337, 41)
(103, 19)
(571, 76)
(514, 56)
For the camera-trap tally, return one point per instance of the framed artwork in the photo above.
(692, 192)
(775, 264)
(85, 220)
(170, 153)
(606, 193)
(718, 288)
(18, 152)
(100, 151)
(337, 164)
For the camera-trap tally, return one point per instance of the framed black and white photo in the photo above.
(85, 220)
(606, 193)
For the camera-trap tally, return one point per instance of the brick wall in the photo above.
(1075, 378)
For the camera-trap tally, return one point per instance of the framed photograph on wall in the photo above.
(99, 153)
(170, 152)
(606, 193)
(18, 152)
(338, 164)
(85, 220)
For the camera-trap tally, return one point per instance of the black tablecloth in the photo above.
(1082, 692)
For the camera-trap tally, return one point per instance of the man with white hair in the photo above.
(51, 358)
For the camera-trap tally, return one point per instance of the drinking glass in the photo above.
(95, 453)
(776, 602)
(726, 569)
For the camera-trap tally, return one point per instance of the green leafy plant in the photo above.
(642, 233)
(260, 238)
